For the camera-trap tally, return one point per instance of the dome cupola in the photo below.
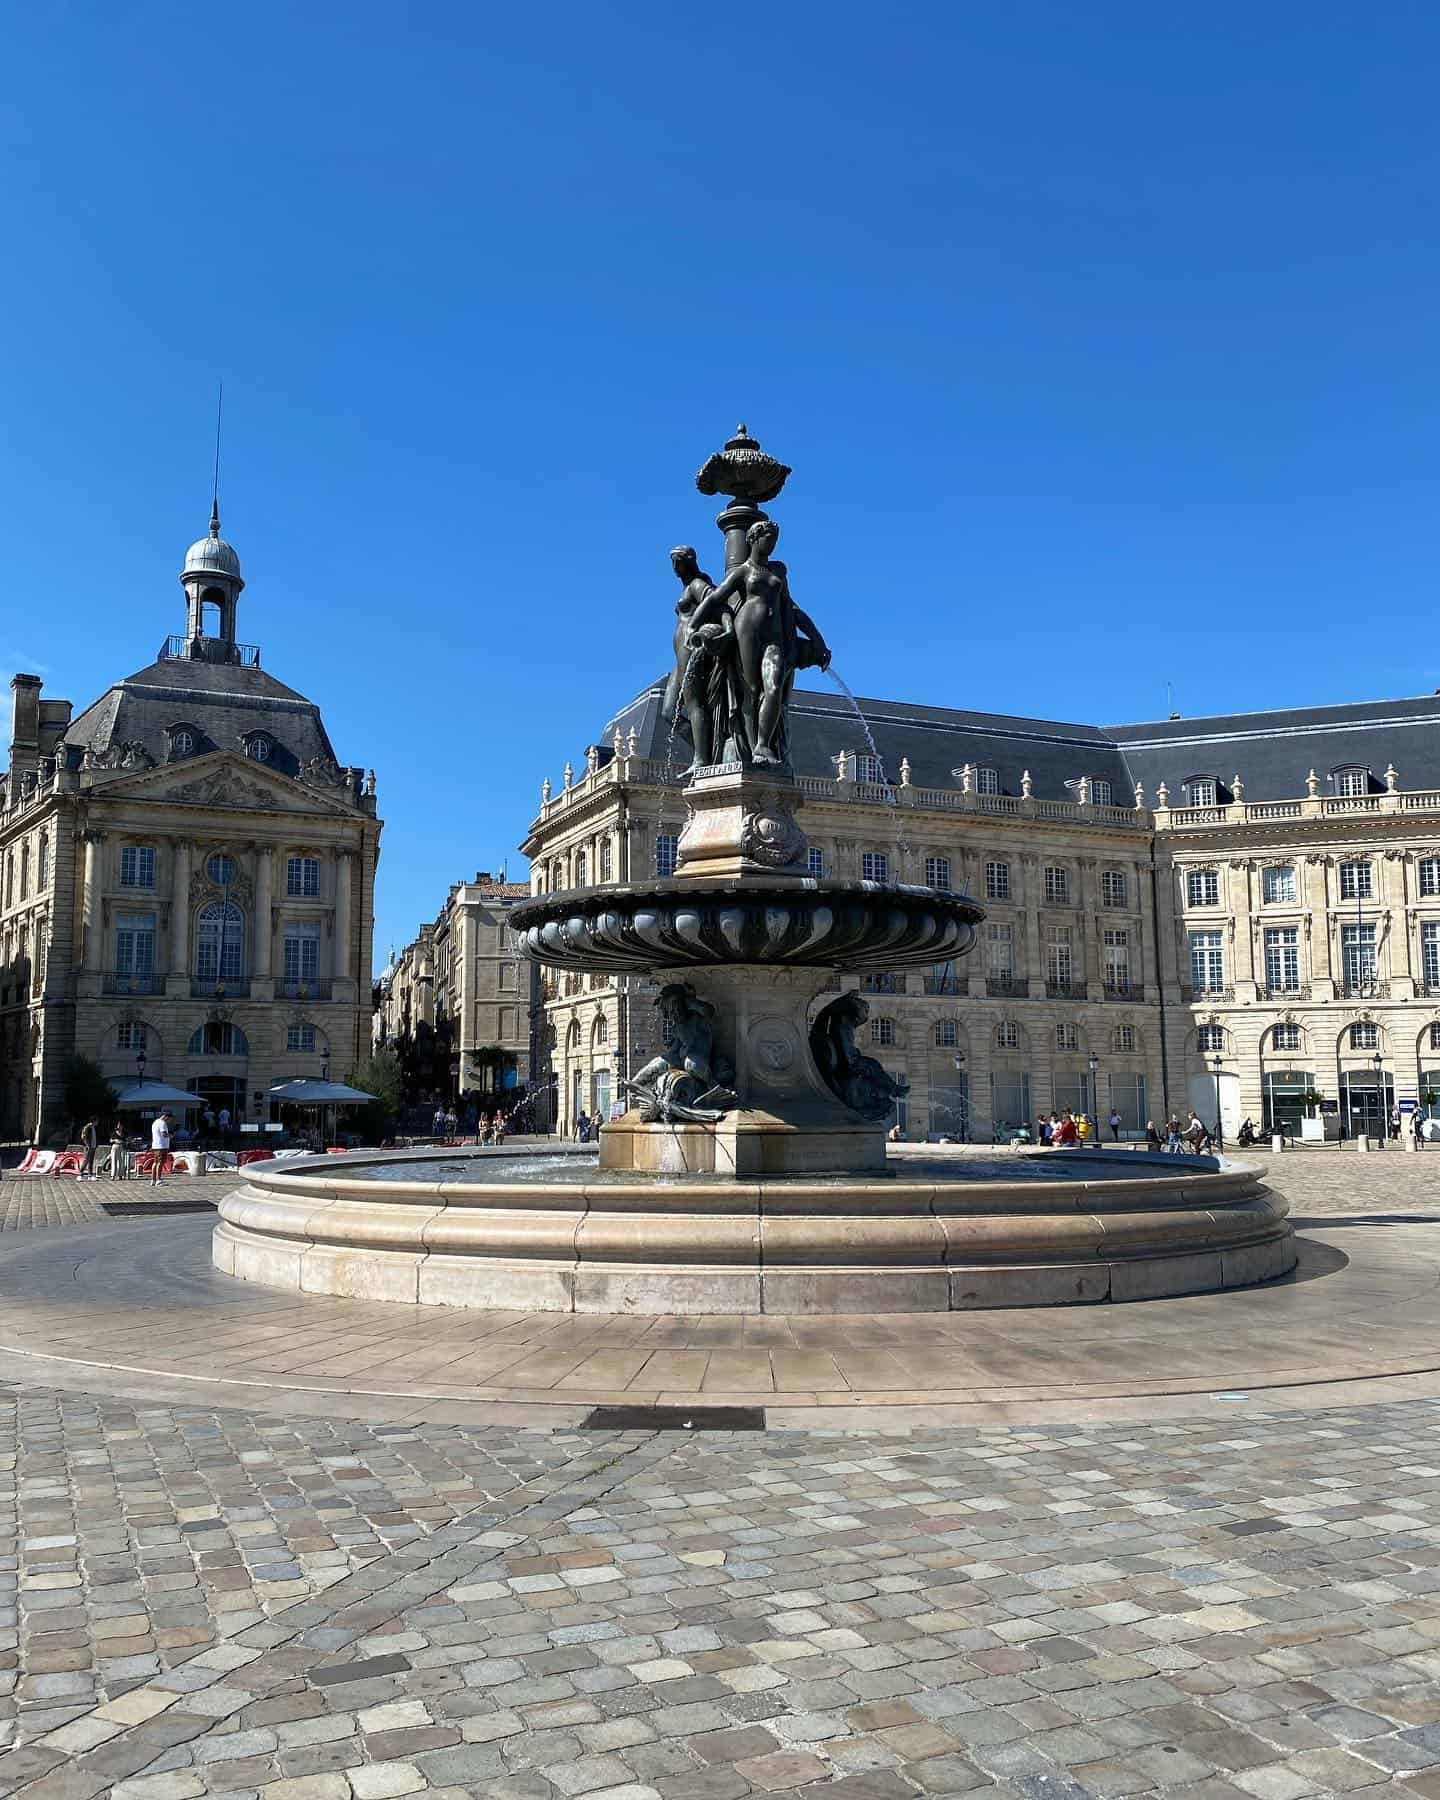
(212, 582)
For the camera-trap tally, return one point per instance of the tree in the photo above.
(379, 1074)
(87, 1094)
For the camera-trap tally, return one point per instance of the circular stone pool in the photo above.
(548, 1231)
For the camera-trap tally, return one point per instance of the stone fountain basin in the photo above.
(668, 925)
(1087, 1227)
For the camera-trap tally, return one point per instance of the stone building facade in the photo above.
(457, 1004)
(1098, 980)
(186, 873)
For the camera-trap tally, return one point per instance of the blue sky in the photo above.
(1098, 336)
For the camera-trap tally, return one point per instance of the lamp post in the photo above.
(140, 1067)
(959, 1060)
(1216, 1063)
(1094, 1101)
(1379, 1060)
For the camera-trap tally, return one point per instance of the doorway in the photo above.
(1365, 1103)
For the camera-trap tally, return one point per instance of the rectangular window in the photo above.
(1117, 960)
(937, 873)
(1351, 782)
(1114, 888)
(997, 881)
(1429, 874)
(302, 951)
(1282, 959)
(1435, 1037)
(302, 877)
(1101, 792)
(1205, 791)
(1125, 1039)
(874, 866)
(1059, 964)
(1057, 885)
(1364, 1036)
(1278, 885)
(137, 866)
(882, 1031)
(607, 858)
(1287, 1037)
(815, 863)
(130, 1036)
(1007, 1036)
(1066, 1037)
(987, 781)
(1430, 957)
(868, 767)
(1202, 887)
(1207, 962)
(1357, 952)
(1210, 1037)
(1000, 950)
(1357, 881)
(947, 1034)
(135, 944)
(300, 1039)
(667, 845)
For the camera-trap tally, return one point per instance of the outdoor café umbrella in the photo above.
(323, 1094)
(156, 1094)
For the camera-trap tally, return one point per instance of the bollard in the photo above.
(1362, 1142)
(1277, 1142)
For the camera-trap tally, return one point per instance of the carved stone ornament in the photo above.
(322, 771)
(222, 788)
(771, 838)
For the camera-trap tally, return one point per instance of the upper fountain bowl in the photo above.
(854, 925)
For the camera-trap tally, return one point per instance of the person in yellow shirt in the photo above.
(1084, 1127)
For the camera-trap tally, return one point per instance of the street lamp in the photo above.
(1094, 1101)
(1379, 1060)
(140, 1067)
(959, 1061)
(1216, 1063)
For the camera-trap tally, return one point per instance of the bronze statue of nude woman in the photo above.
(767, 646)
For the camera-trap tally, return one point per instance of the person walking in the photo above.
(159, 1148)
(438, 1122)
(1174, 1141)
(117, 1152)
(90, 1139)
(1115, 1123)
(1417, 1126)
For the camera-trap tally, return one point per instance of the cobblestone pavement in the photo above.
(1248, 1608)
(31, 1201)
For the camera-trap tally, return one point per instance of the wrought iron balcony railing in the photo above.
(134, 984)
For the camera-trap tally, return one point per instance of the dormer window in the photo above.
(1350, 783)
(987, 781)
(184, 741)
(258, 746)
(1101, 791)
(1202, 790)
(868, 767)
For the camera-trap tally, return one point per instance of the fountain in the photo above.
(750, 1173)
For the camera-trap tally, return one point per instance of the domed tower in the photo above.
(212, 582)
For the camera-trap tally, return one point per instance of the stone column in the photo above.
(177, 981)
(1318, 925)
(264, 934)
(93, 945)
(342, 917)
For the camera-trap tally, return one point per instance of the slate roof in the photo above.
(221, 703)
(936, 739)
(1271, 751)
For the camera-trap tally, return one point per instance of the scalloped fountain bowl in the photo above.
(551, 1231)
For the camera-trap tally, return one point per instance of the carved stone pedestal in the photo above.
(787, 1121)
(741, 823)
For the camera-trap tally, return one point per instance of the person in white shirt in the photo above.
(160, 1148)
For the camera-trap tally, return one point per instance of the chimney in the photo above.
(25, 729)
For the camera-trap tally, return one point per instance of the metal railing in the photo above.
(883, 984)
(115, 983)
(1063, 990)
(233, 987)
(314, 989)
(1285, 990)
(177, 648)
(1121, 990)
(945, 984)
(1373, 989)
(1006, 987)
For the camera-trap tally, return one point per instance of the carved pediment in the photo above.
(226, 781)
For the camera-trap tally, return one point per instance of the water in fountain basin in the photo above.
(874, 748)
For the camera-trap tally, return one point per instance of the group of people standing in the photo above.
(1069, 1128)
(489, 1128)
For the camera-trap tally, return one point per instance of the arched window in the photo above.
(606, 859)
(218, 1037)
(42, 862)
(220, 943)
(601, 1033)
(947, 1034)
(1007, 1035)
(258, 747)
(182, 741)
(582, 869)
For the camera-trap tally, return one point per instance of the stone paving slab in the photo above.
(142, 1312)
